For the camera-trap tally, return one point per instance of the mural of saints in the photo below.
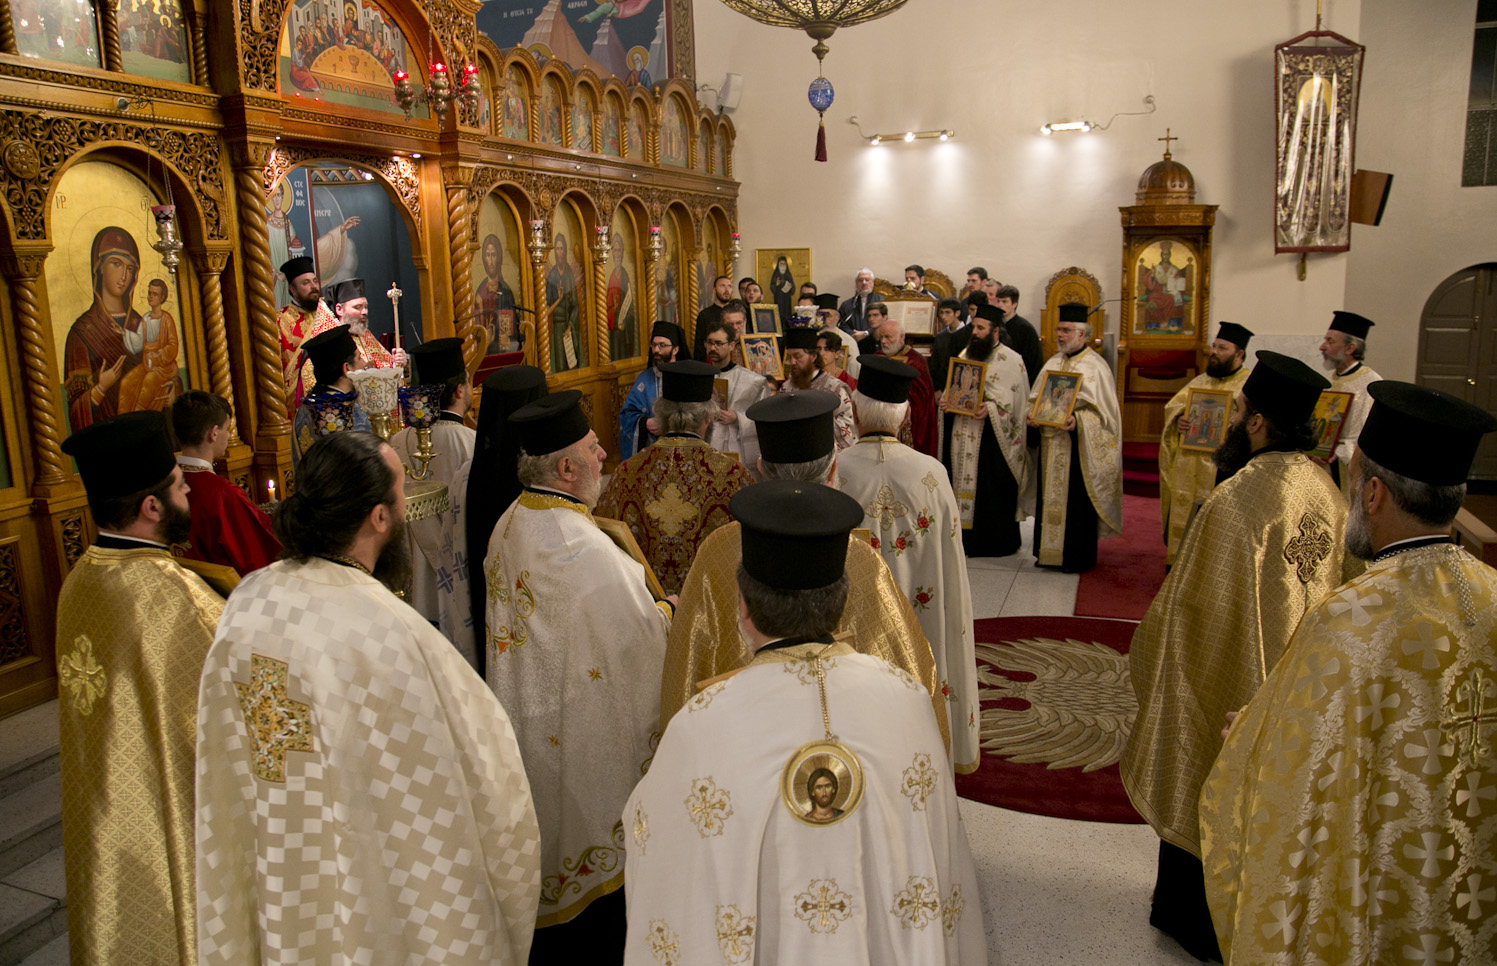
(623, 316)
(114, 359)
(568, 351)
(496, 300)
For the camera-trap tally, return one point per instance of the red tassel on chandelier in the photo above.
(820, 141)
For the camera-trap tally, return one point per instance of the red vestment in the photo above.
(924, 432)
(227, 528)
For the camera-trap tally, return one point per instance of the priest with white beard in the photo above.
(799, 810)
(439, 550)
(360, 795)
(1080, 467)
(987, 454)
(575, 647)
(732, 431)
(911, 511)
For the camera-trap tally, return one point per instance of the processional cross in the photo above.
(1471, 725)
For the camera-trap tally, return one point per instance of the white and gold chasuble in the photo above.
(1099, 426)
(435, 543)
(1187, 477)
(911, 511)
(721, 871)
(132, 630)
(1352, 814)
(361, 798)
(1265, 548)
(744, 389)
(1357, 381)
(454, 595)
(575, 646)
(1005, 396)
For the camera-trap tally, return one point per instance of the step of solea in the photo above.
(33, 905)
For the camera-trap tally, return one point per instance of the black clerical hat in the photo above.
(826, 300)
(1073, 312)
(1284, 389)
(800, 337)
(331, 347)
(794, 534)
(518, 380)
(992, 313)
(885, 379)
(668, 330)
(122, 455)
(551, 423)
(1351, 323)
(1423, 433)
(795, 427)
(295, 268)
(686, 381)
(1234, 333)
(344, 291)
(437, 360)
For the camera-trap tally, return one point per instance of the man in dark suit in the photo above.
(853, 314)
(1018, 333)
(722, 292)
(948, 324)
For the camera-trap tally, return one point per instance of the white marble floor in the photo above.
(1054, 891)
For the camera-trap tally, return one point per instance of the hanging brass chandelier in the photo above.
(819, 19)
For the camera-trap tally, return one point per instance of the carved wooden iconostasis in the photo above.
(585, 195)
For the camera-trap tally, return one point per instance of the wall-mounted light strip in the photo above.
(1058, 127)
(945, 135)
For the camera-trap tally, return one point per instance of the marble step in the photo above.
(28, 747)
(33, 824)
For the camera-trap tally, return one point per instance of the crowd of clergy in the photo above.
(709, 707)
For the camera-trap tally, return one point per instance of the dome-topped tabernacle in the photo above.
(1166, 182)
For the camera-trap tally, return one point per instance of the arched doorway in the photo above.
(1458, 347)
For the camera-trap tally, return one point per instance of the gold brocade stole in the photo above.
(1055, 469)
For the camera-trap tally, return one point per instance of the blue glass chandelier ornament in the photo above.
(821, 96)
(819, 19)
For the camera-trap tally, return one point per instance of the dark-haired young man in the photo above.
(132, 629)
(1272, 532)
(357, 782)
(332, 355)
(1017, 331)
(914, 279)
(227, 527)
(722, 294)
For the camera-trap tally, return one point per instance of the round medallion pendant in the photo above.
(822, 783)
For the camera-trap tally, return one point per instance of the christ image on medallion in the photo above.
(821, 789)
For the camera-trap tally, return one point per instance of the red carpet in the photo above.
(1057, 706)
(1130, 568)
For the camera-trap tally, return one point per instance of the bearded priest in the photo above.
(351, 309)
(132, 630)
(676, 492)
(912, 513)
(1080, 466)
(799, 444)
(1187, 477)
(1264, 548)
(803, 372)
(1350, 817)
(924, 425)
(799, 810)
(987, 454)
(361, 796)
(332, 356)
(575, 643)
(296, 321)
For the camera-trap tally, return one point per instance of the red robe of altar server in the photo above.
(227, 528)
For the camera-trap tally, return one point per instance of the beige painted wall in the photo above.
(1025, 205)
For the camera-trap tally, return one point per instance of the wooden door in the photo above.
(1458, 347)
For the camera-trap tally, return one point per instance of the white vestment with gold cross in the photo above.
(911, 511)
(1351, 816)
(438, 548)
(722, 871)
(360, 795)
(575, 647)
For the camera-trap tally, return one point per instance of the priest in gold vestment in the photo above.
(1351, 815)
(672, 495)
(798, 441)
(1187, 477)
(1265, 547)
(132, 630)
(1079, 486)
(1342, 351)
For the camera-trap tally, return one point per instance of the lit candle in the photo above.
(401, 76)
(270, 485)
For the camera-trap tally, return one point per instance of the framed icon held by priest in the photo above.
(1055, 398)
(1204, 422)
(764, 318)
(1327, 421)
(761, 355)
(964, 387)
(618, 531)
